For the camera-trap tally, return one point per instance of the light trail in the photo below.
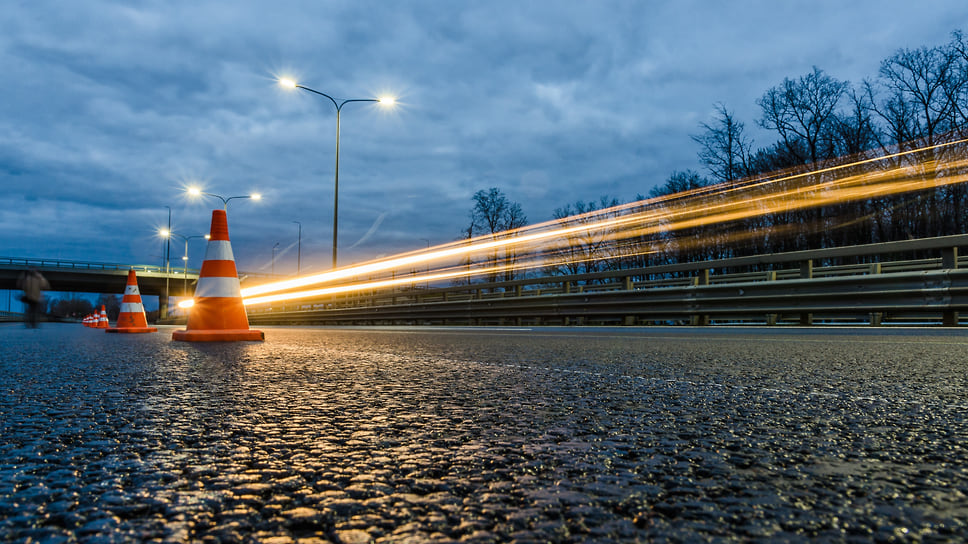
(722, 203)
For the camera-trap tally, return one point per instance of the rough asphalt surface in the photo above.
(436, 435)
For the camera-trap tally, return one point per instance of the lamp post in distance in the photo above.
(167, 253)
(168, 234)
(385, 101)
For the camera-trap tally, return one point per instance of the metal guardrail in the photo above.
(774, 288)
(20, 262)
(6, 317)
(64, 264)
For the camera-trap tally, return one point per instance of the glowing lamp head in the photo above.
(287, 83)
(194, 191)
(186, 303)
(164, 233)
(255, 196)
(387, 101)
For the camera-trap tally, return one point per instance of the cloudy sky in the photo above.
(111, 109)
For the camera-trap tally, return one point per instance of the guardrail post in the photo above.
(949, 261)
(566, 286)
(806, 273)
(949, 258)
(875, 317)
(700, 320)
(771, 318)
(627, 283)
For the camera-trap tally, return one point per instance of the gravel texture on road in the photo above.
(483, 435)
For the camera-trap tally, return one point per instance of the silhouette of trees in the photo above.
(70, 307)
(918, 98)
(493, 214)
(724, 149)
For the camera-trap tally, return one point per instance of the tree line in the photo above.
(918, 99)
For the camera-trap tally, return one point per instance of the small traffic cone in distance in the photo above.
(218, 314)
(102, 322)
(132, 317)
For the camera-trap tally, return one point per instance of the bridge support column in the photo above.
(163, 303)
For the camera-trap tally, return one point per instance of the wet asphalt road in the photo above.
(415, 435)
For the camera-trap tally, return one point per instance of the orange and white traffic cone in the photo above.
(218, 314)
(86, 321)
(102, 321)
(132, 316)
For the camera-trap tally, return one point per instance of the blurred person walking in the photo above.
(33, 284)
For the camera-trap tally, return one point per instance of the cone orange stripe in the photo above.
(220, 313)
(131, 298)
(220, 226)
(218, 269)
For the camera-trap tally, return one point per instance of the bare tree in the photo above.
(724, 151)
(803, 113)
(918, 96)
(494, 214)
(922, 86)
(588, 250)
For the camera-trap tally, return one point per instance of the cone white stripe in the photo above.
(218, 287)
(131, 290)
(132, 307)
(219, 250)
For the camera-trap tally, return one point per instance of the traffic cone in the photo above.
(87, 320)
(218, 314)
(102, 322)
(132, 316)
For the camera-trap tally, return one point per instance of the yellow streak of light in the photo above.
(689, 209)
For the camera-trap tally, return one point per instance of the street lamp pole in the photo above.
(339, 108)
(168, 234)
(298, 248)
(167, 261)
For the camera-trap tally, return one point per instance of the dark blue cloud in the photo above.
(111, 109)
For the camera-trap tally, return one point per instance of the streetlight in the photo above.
(168, 234)
(298, 248)
(194, 191)
(274, 258)
(386, 101)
